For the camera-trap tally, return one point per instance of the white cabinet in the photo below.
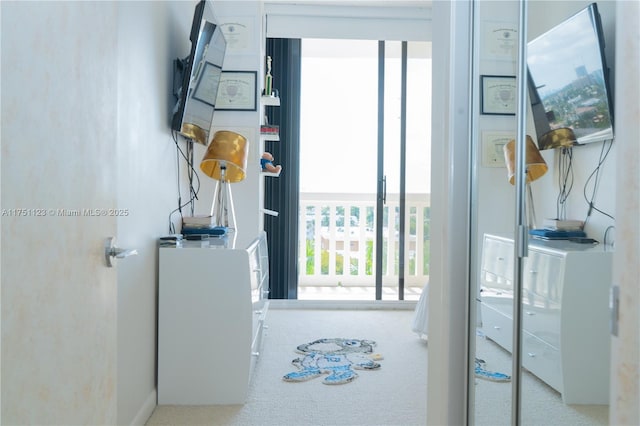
(211, 312)
(565, 320)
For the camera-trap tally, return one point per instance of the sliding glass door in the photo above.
(362, 235)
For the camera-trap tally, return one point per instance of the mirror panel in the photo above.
(563, 282)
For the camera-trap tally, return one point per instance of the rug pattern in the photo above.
(335, 357)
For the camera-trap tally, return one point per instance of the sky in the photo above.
(339, 118)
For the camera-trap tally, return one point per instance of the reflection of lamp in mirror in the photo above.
(225, 161)
(536, 167)
(557, 138)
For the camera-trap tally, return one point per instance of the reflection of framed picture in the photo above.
(237, 91)
(207, 87)
(498, 95)
(493, 148)
(500, 40)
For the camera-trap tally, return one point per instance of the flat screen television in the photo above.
(196, 77)
(568, 80)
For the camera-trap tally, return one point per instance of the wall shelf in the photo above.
(269, 137)
(272, 134)
(270, 100)
(271, 174)
(270, 212)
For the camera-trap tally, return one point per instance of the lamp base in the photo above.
(222, 209)
(531, 211)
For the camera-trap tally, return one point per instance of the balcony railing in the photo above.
(338, 248)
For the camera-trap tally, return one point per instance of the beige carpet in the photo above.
(393, 395)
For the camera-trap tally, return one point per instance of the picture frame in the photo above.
(207, 87)
(493, 143)
(500, 40)
(239, 33)
(498, 95)
(237, 91)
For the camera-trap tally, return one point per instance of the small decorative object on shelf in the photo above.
(266, 163)
(269, 129)
(268, 79)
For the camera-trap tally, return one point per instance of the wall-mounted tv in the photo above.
(569, 79)
(197, 76)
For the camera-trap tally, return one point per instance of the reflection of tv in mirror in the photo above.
(197, 77)
(568, 79)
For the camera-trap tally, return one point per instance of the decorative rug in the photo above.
(494, 376)
(336, 357)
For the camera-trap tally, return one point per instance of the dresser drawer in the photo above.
(542, 275)
(541, 317)
(542, 360)
(497, 258)
(497, 326)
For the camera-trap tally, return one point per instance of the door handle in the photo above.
(384, 189)
(111, 252)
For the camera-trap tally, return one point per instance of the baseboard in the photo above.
(146, 410)
(342, 304)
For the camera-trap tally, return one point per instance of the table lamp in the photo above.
(536, 167)
(225, 161)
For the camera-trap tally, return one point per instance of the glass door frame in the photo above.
(381, 193)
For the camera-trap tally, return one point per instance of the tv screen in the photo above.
(569, 79)
(198, 76)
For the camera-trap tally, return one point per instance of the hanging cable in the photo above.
(565, 181)
(192, 177)
(606, 234)
(595, 176)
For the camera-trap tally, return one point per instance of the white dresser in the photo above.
(211, 312)
(565, 304)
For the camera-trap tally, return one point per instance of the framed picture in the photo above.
(498, 95)
(238, 32)
(237, 91)
(493, 148)
(207, 87)
(500, 40)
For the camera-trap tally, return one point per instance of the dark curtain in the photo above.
(282, 193)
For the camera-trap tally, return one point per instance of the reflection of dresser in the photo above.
(211, 311)
(565, 312)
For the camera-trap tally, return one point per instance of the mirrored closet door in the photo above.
(544, 360)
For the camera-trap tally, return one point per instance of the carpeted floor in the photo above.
(393, 395)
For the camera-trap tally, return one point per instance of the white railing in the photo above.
(337, 240)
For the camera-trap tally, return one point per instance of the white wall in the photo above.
(150, 36)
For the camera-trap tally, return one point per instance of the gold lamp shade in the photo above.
(194, 132)
(557, 138)
(536, 166)
(227, 149)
